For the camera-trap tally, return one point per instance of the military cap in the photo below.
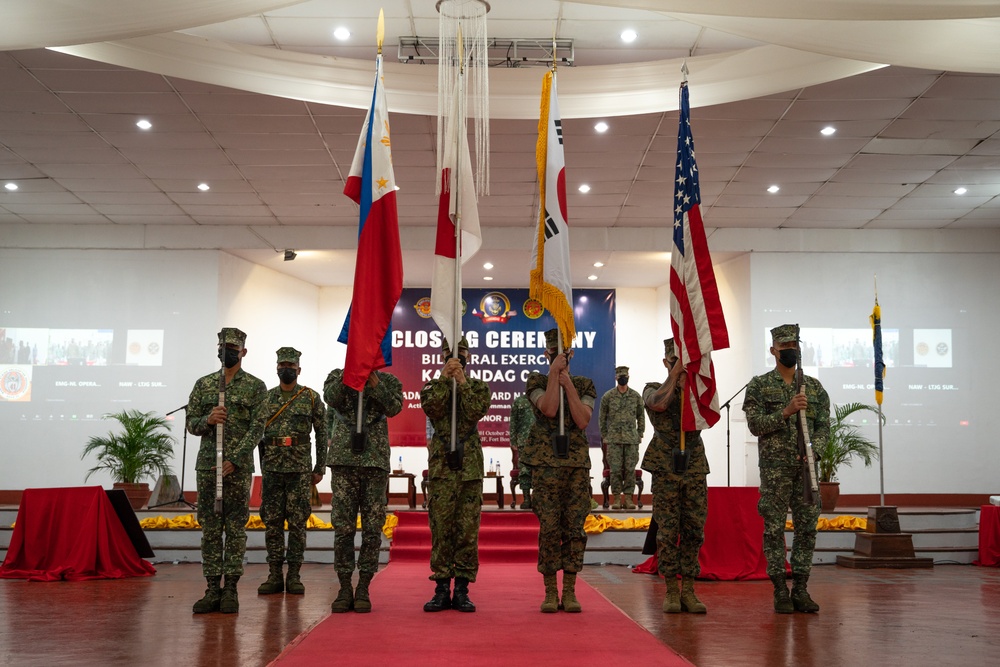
(552, 339)
(786, 333)
(288, 354)
(668, 348)
(232, 336)
(621, 370)
(463, 345)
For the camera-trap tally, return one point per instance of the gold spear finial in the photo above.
(380, 35)
(461, 51)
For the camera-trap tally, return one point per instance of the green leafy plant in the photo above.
(845, 442)
(141, 451)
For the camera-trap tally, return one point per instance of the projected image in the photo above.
(79, 347)
(826, 347)
(932, 348)
(23, 346)
(144, 347)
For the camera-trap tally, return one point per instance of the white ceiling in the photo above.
(88, 177)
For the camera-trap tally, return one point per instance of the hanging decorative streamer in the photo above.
(470, 17)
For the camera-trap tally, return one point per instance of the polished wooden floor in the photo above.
(949, 615)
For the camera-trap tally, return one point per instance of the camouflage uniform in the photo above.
(454, 497)
(781, 481)
(359, 481)
(622, 425)
(246, 405)
(562, 492)
(287, 466)
(680, 500)
(521, 419)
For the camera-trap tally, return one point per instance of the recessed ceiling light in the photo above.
(585, 188)
(11, 186)
(488, 265)
(827, 131)
(591, 277)
(203, 186)
(960, 191)
(598, 265)
(341, 33)
(601, 127)
(773, 189)
(487, 277)
(144, 124)
(629, 36)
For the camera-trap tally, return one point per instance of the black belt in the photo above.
(289, 440)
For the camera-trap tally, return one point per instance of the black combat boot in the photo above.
(782, 601)
(460, 600)
(362, 603)
(230, 603)
(274, 583)
(210, 602)
(442, 596)
(345, 598)
(800, 596)
(293, 583)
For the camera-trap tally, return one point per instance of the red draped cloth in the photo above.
(70, 534)
(989, 536)
(734, 537)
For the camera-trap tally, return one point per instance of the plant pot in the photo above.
(829, 493)
(137, 494)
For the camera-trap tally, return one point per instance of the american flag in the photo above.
(696, 316)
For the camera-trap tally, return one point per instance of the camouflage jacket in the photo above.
(380, 403)
(767, 395)
(473, 404)
(522, 417)
(246, 405)
(666, 436)
(621, 417)
(294, 417)
(539, 450)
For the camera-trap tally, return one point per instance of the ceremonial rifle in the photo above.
(219, 437)
(810, 489)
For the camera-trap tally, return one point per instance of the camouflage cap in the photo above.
(232, 336)
(463, 345)
(288, 354)
(621, 370)
(668, 348)
(552, 339)
(786, 333)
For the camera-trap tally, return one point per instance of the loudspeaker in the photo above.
(129, 521)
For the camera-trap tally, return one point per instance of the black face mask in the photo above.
(788, 357)
(287, 375)
(229, 356)
(462, 360)
(622, 380)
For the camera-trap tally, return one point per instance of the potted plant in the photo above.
(141, 451)
(843, 444)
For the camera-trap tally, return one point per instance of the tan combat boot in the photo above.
(274, 583)
(551, 603)
(617, 505)
(689, 601)
(672, 602)
(213, 594)
(569, 602)
(628, 504)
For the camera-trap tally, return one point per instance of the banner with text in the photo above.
(506, 334)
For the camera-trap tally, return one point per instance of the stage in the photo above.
(894, 616)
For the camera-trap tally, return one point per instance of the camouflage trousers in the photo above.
(781, 489)
(524, 476)
(623, 459)
(285, 497)
(680, 507)
(357, 490)
(561, 500)
(223, 557)
(453, 509)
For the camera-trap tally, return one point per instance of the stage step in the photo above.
(948, 535)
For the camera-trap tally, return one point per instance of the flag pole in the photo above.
(457, 193)
(559, 349)
(878, 394)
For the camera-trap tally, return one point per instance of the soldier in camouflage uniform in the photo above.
(522, 417)
(562, 494)
(622, 424)
(772, 406)
(454, 496)
(358, 480)
(289, 474)
(243, 417)
(680, 499)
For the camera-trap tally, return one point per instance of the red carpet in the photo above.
(507, 629)
(504, 537)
